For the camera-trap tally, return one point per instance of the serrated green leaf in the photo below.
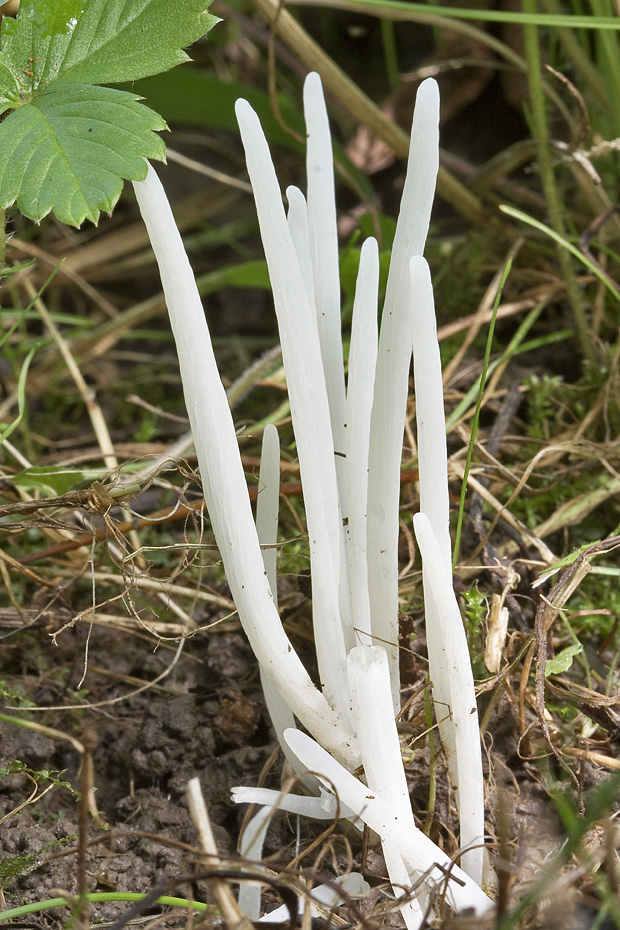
(69, 145)
(9, 88)
(48, 17)
(563, 661)
(71, 148)
(112, 41)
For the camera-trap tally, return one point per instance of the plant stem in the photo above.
(432, 761)
(389, 53)
(579, 56)
(552, 197)
(608, 64)
(99, 897)
(476, 419)
(2, 239)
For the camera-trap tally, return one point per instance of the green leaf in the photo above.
(70, 149)
(9, 88)
(198, 98)
(563, 661)
(69, 145)
(247, 274)
(52, 480)
(61, 16)
(21, 396)
(112, 41)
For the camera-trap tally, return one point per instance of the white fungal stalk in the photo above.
(349, 445)
(420, 854)
(267, 507)
(310, 412)
(449, 663)
(223, 479)
(251, 845)
(302, 259)
(392, 377)
(379, 746)
(460, 711)
(360, 393)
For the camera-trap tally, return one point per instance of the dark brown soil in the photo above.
(206, 719)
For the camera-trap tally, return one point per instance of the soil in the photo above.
(206, 719)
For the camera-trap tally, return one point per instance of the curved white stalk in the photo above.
(325, 896)
(324, 807)
(223, 479)
(433, 471)
(268, 504)
(420, 854)
(379, 746)
(461, 708)
(310, 413)
(324, 252)
(267, 507)
(360, 391)
(297, 219)
(251, 844)
(391, 383)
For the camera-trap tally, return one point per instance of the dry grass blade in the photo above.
(224, 896)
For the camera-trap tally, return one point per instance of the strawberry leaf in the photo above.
(111, 41)
(60, 16)
(10, 88)
(68, 144)
(70, 149)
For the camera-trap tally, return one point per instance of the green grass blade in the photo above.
(476, 418)
(97, 898)
(561, 240)
(566, 20)
(21, 396)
